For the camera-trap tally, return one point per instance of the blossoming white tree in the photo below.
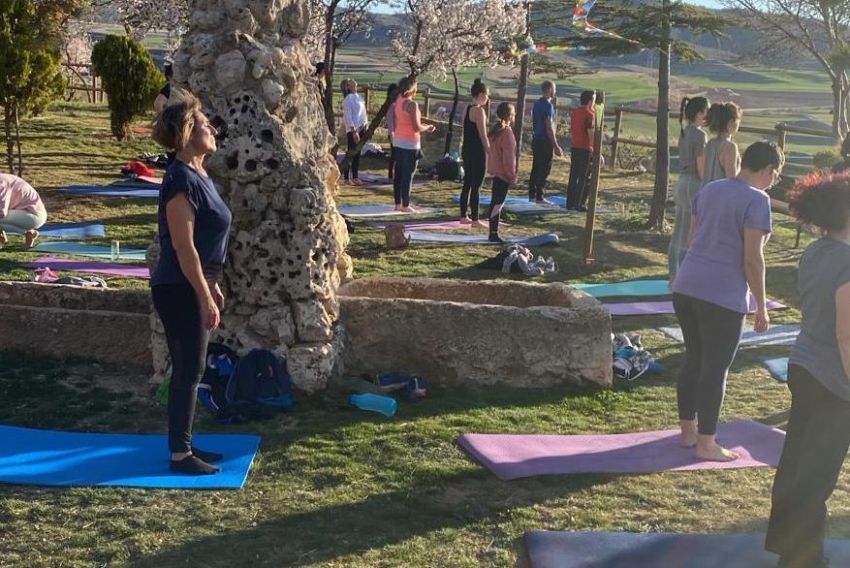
(140, 17)
(440, 35)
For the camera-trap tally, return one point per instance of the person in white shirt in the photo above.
(354, 118)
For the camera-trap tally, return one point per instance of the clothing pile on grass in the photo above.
(517, 259)
(631, 360)
(47, 276)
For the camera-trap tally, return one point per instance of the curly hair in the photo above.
(822, 200)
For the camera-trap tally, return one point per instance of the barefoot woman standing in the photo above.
(723, 265)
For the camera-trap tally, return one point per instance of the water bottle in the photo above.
(375, 402)
(115, 251)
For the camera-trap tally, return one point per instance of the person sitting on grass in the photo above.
(502, 162)
(21, 210)
(818, 432)
(194, 223)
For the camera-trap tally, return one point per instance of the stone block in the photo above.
(489, 332)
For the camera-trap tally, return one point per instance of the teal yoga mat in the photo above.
(112, 191)
(83, 249)
(57, 458)
(634, 288)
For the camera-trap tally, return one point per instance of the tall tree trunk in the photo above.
(328, 103)
(662, 121)
(20, 172)
(837, 112)
(10, 143)
(370, 130)
(450, 131)
(522, 87)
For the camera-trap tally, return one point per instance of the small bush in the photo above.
(825, 159)
(130, 79)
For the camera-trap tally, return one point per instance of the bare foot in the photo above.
(465, 221)
(3, 238)
(688, 439)
(408, 209)
(356, 181)
(708, 449)
(30, 237)
(478, 223)
(397, 207)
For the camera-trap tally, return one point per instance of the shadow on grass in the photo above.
(327, 533)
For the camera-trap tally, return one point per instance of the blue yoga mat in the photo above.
(778, 367)
(629, 288)
(109, 191)
(49, 457)
(83, 249)
(57, 230)
(454, 238)
(552, 549)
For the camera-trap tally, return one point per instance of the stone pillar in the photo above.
(245, 61)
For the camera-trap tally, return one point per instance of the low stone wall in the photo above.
(110, 326)
(487, 332)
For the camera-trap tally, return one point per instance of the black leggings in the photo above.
(712, 334)
(474, 170)
(354, 166)
(187, 339)
(500, 193)
(541, 165)
(816, 443)
(579, 185)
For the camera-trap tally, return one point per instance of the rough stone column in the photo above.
(245, 61)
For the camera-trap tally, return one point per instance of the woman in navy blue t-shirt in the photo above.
(194, 223)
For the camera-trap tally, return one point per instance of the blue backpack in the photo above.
(241, 389)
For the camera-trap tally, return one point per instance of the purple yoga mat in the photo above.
(114, 269)
(652, 308)
(511, 456)
(427, 225)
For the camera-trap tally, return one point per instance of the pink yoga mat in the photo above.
(112, 268)
(653, 308)
(429, 225)
(511, 456)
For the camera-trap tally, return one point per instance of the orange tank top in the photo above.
(406, 134)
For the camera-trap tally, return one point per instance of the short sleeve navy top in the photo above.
(212, 225)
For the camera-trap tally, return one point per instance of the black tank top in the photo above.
(472, 147)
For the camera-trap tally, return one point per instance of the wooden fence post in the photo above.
(428, 102)
(618, 122)
(367, 97)
(781, 136)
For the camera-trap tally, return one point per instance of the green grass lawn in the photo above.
(336, 487)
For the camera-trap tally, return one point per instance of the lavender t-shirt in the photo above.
(713, 269)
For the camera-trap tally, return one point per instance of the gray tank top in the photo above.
(713, 168)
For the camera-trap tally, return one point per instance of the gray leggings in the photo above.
(19, 221)
(712, 334)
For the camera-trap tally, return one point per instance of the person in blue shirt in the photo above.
(194, 223)
(544, 145)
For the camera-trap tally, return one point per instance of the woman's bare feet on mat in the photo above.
(30, 237)
(708, 449)
(465, 221)
(478, 223)
(397, 207)
(688, 438)
(408, 209)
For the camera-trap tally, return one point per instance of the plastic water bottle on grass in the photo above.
(375, 402)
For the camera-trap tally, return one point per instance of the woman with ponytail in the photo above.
(474, 152)
(502, 165)
(691, 146)
(722, 159)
